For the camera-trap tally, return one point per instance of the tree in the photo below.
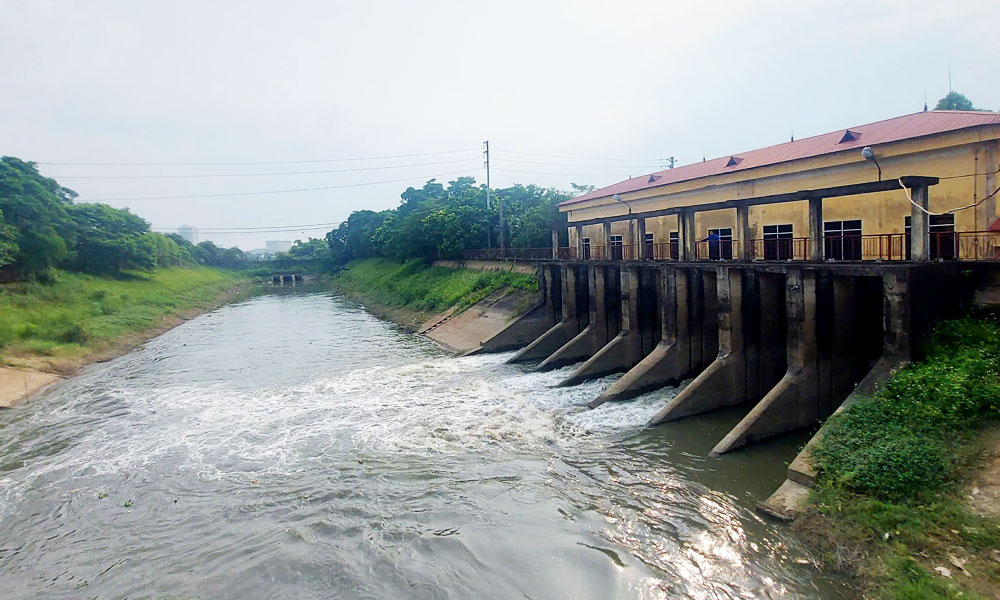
(453, 231)
(8, 242)
(314, 249)
(109, 239)
(954, 101)
(580, 190)
(38, 208)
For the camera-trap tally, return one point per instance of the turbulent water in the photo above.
(293, 446)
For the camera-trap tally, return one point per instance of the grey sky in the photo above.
(238, 81)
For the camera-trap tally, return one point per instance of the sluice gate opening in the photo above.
(787, 342)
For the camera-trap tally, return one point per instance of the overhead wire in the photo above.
(265, 162)
(574, 157)
(208, 175)
(258, 228)
(288, 191)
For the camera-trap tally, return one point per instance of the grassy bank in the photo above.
(894, 471)
(79, 318)
(421, 289)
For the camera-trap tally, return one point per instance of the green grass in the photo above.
(891, 470)
(77, 313)
(416, 286)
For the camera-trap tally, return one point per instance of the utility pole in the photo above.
(500, 208)
(670, 160)
(486, 153)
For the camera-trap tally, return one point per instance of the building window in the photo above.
(586, 248)
(674, 245)
(616, 247)
(721, 248)
(842, 240)
(650, 244)
(942, 233)
(778, 242)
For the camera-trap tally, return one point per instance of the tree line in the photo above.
(42, 228)
(439, 221)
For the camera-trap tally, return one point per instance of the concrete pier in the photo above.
(623, 350)
(670, 361)
(788, 340)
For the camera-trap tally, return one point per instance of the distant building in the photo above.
(276, 246)
(259, 254)
(189, 233)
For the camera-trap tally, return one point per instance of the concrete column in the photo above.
(896, 315)
(579, 242)
(920, 239)
(686, 238)
(563, 331)
(816, 229)
(643, 251)
(723, 382)
(630, 240)
(989, 212)
(607, 243)
(625, 349)
(745, 246)
(792, 403)
(555, 244)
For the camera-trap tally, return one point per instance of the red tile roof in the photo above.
(882, 132)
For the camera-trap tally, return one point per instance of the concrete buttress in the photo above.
(561, 332)
(625, 349)
(670, 360)
(723, 382)
(593, 337)
(794, 401)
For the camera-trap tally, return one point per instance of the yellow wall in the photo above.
(946, 155)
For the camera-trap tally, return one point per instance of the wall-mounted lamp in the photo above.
(869, 154)
(618, 198)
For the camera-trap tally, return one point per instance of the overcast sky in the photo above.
(240, 81)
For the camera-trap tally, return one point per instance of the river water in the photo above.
(294, 446)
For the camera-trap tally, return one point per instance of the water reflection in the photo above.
(294, 446)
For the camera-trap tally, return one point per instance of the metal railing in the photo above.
(779, 249)
(944, 245)
(716, 250)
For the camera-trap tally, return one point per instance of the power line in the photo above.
(266, 162)
(549, 173)
(532, 162)
(260, 193)
(227, 232)
(256, 228)
(575, 157)
(195, 176)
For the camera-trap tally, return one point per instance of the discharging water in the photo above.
(294, 446)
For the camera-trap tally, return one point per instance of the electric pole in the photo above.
(500, 208)
(670, 161)
(486, 153)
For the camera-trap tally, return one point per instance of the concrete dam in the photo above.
(790, 341)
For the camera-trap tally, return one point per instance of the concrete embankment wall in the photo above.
(526, 268)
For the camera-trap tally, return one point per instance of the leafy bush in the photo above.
(902, 443)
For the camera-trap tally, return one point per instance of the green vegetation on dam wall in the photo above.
(908, 481)
(77, 318)
(420, 289)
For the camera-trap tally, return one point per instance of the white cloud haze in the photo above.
(238, 81)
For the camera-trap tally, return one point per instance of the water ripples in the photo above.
(295, 447)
